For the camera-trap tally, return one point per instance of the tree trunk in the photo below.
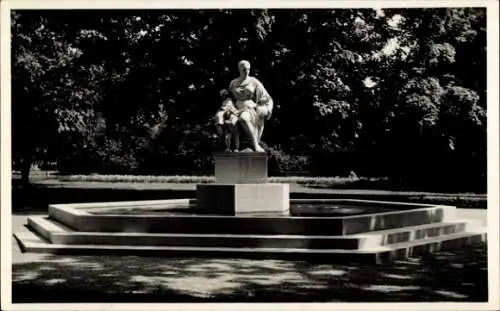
(26, 164)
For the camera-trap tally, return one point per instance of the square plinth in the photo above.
(240, 167)
(243, 199)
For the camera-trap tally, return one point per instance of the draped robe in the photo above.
(250, 94)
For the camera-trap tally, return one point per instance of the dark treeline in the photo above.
(398, 93)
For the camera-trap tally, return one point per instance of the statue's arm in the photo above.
(231, 86)
(262, 97)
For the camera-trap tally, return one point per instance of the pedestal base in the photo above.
(243, 199)
(240, 167)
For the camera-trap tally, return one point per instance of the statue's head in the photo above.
(244, 68)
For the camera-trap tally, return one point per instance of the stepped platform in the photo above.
(312, 230)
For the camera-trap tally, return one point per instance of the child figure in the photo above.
(226, 121)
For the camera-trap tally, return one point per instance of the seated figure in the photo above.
(253, 102)
(253, 105)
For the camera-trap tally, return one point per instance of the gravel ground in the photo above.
(459, 276)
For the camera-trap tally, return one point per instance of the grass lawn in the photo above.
(48, 190)
(334, 182)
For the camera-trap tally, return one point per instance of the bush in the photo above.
(283, 164)
(116, 154)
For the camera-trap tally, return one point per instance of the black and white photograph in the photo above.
(322, 155)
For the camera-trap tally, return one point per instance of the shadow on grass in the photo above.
(459, 276)
(428, 184)
(34, 198)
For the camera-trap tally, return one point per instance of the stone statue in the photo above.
(253, 105)
(253, 102)
(226, 119)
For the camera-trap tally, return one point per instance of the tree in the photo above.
(45, 100)
(135, 91)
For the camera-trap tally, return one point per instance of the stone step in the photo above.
(417, 233)
(81, 220)
(389, 252)
(31, 242)
(60, 234)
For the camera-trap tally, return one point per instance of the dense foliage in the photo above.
(398, 93)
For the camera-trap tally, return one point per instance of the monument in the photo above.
(242, 215)
(241, 175)
(246, 105)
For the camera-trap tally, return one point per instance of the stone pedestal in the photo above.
(240, 187)
(240, 167)
(243, 199)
